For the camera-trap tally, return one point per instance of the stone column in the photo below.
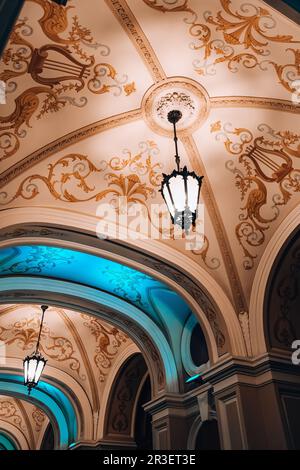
(171, 419)
(257, 403)
(176, 418)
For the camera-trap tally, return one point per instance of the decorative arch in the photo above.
(142, 329)
(290, 225)
(51, 399)
(282, 298)
(70, 387)
(9, 442)
(47, 439)
(198, 426)
(120, 411)
(216, 315)
(117, 366)
(188, 363)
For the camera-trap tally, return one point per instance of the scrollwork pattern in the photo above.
(38, 258)
(245, 41)
(266, 159)
(24, 334)
(213, 263)
(108, 343)
(39, 418)
(76, 69)
(70, 178)
(9, 412)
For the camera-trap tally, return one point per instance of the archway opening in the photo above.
(208, 436)
(282, 297)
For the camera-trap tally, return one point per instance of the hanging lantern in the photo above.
(33, 368)
(34, 364)
(181, 189)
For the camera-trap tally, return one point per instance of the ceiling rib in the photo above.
(65, 141)
(124, 15)
(132, 28)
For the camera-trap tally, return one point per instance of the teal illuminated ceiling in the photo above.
(6, 443)
(148, 294)
(48, 397)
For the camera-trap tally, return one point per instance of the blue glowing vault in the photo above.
(148, 294)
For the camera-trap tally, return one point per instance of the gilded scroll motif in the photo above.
(62, 69)
(17, 57)
(108, 342)
(167, 5)
(70, 178)
(289, 72)
(39, 418)
(212, 263)
(237, 37)
(263, 160)
(9, 412)
(24, 334)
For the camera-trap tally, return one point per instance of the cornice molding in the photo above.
(259, 369)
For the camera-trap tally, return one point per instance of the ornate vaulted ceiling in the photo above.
(23, 420)
(84, 120)
(83, 353)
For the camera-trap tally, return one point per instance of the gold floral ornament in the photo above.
(267, 160)
(212, 263)
(289, 73)
(26, 105)
(246, 29)
(18, 57)
(245, 38)
(108, 343)
(167, 6)
(72, 178)
(9, 412)
(64, 68)
(24, 334)
(39, 418)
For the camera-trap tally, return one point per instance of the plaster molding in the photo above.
(129, 23)
(102, 305)
(258, 102)
(198, 275)
(16, 435)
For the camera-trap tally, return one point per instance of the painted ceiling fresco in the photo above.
(81, 351)
(29, 421)
(80, 125)
(133, 286)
